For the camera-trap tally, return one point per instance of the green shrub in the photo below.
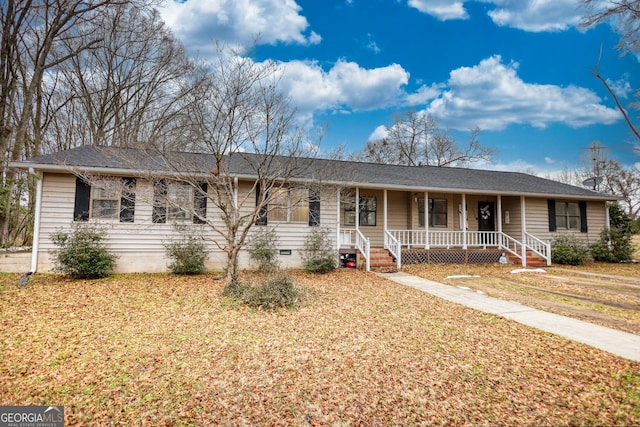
(615, 244)
(318, 254)
(264, 251)
(188, 255)
(82, 253)
(568, 249)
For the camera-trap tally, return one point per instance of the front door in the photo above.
(486, 220)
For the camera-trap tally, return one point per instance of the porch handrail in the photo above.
(394, 247)
(510, 244)
(538, 246)
(364, 246)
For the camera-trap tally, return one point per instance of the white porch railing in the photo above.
(394, 247)
(474, 239)
(395, 240)
(537, 246)
(364, 246)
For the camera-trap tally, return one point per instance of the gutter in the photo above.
(368, 185)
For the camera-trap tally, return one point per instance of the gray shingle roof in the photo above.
(410, 178)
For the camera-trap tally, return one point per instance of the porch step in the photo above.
(532, 260)
(381, 259)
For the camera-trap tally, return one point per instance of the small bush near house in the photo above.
(274, 292)
(264, 251)
(188, 256)
(82, 253)
(279, 291)
(318, 255)
(568, 249)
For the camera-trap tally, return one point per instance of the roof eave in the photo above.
(128, 172)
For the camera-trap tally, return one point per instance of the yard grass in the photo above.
(602, 293)
(167, 350)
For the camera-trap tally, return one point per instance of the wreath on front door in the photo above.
(485, 212)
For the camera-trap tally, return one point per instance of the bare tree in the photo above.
(246, 127)
(134, 88)
(610, 176)
(34, 35)
(624, 17)
(415, 139)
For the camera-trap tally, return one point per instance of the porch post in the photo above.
(499, 208)
(523, 219)
(464, 221)
(357, 222)
(426, 219)
(384, 204)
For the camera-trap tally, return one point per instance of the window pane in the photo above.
(349, 217)
(440, 206)
(277, 213)
(440, 220)
(367, 218)
(561, 208)
(574, 223)
(179, 201)
(104, 209)
(573, 209)
(561, 222)
(300, 214)
(178, 213)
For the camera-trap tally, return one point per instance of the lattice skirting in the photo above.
(451, 256)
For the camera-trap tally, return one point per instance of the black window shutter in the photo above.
(262, 214)
(128, 200)
(314, 208)
(159, 214)
(200, 203)
(552, 214)
(583, 216)
(83, 198)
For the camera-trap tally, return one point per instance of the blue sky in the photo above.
(517, 69)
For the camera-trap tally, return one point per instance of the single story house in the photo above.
(381, 215)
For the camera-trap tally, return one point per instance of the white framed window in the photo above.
(104, 204)
(179, 201)
(368, 210)
(568, 215)
(289, 205)
(437, 212)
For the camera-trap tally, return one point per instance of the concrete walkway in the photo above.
(620, 343)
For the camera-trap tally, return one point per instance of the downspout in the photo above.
(36, 222)
(338, 233)
(523, 218)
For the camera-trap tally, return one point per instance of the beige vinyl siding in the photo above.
(538, 220)
(140, 244)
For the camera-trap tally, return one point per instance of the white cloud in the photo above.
(622, 88)
(441, 9)
(378, 133)
(536, 15)
(491, 96)
(199, 23)
(549, 160)
(346, 86)
(527, 15)
(424, 94)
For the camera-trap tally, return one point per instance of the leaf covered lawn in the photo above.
(167, 350)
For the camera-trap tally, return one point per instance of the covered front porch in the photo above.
(437, 227)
